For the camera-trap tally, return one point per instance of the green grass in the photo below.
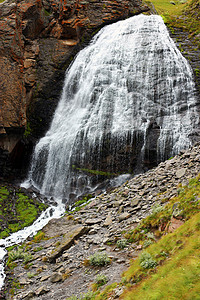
(169, 268)
(181, 15)
(178, 276)
(17, 210)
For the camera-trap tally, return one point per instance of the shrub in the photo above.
(99, 259)
(30, 275)
(19, 254)
(150, 236)
(147, 243)
(87, 296)
(101, 279)
(16, 254)
(27, 257)
(157, 208)
(122, 243)
(147, 261)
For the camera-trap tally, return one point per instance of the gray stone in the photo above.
(67, 242)
(28, 295)
(135, 202)
(93, 221)
(43, 278)
(108, 221)
(23, 281)
(42, 290)
(117, 203)
(124, 216)
(181, 172)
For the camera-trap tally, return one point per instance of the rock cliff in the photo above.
(39, 38)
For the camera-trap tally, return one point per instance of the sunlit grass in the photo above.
(180, 14)
(166, 6)
(178, 277)
(170, 268)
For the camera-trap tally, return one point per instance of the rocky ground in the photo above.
(59, 265)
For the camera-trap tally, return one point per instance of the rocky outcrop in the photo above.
(107, 218)
(38, 40)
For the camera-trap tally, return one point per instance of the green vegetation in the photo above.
(87, 296)
(170, 268)
(122, 243)
(183, 14)
(147, 261)
(30, 275)
(178, 273)
(27, 130)
(94, 172)
(101, 279)
(185, 205)
(38, 237)
(17, 210)
(17, 254)
(99, 259)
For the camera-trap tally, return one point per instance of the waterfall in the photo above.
(127, 97)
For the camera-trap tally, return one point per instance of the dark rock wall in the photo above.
(39, 39)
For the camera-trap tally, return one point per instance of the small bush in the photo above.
(157, 208)
(122, 243)
(27, 257)
(87, 296)
(147, 243)
(101, 279)
(38, 237)
(30, 275)
(16, 254)
(19, 254)
(147, 261)
(150, 236)
(99, 259)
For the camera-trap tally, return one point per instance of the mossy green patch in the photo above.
(17, 210)
(94, 172)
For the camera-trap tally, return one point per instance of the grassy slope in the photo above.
(175, 271)
(178, 276)
(185, 14)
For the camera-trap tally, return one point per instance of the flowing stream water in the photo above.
(130, 79)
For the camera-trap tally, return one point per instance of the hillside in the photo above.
(95, 243)
(182, 18)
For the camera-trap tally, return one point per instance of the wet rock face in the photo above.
(38, 40)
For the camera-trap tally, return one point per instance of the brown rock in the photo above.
(174, 224)
(67, 242)
(108, 221)
(56, 277)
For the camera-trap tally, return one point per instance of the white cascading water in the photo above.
(129, 77)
